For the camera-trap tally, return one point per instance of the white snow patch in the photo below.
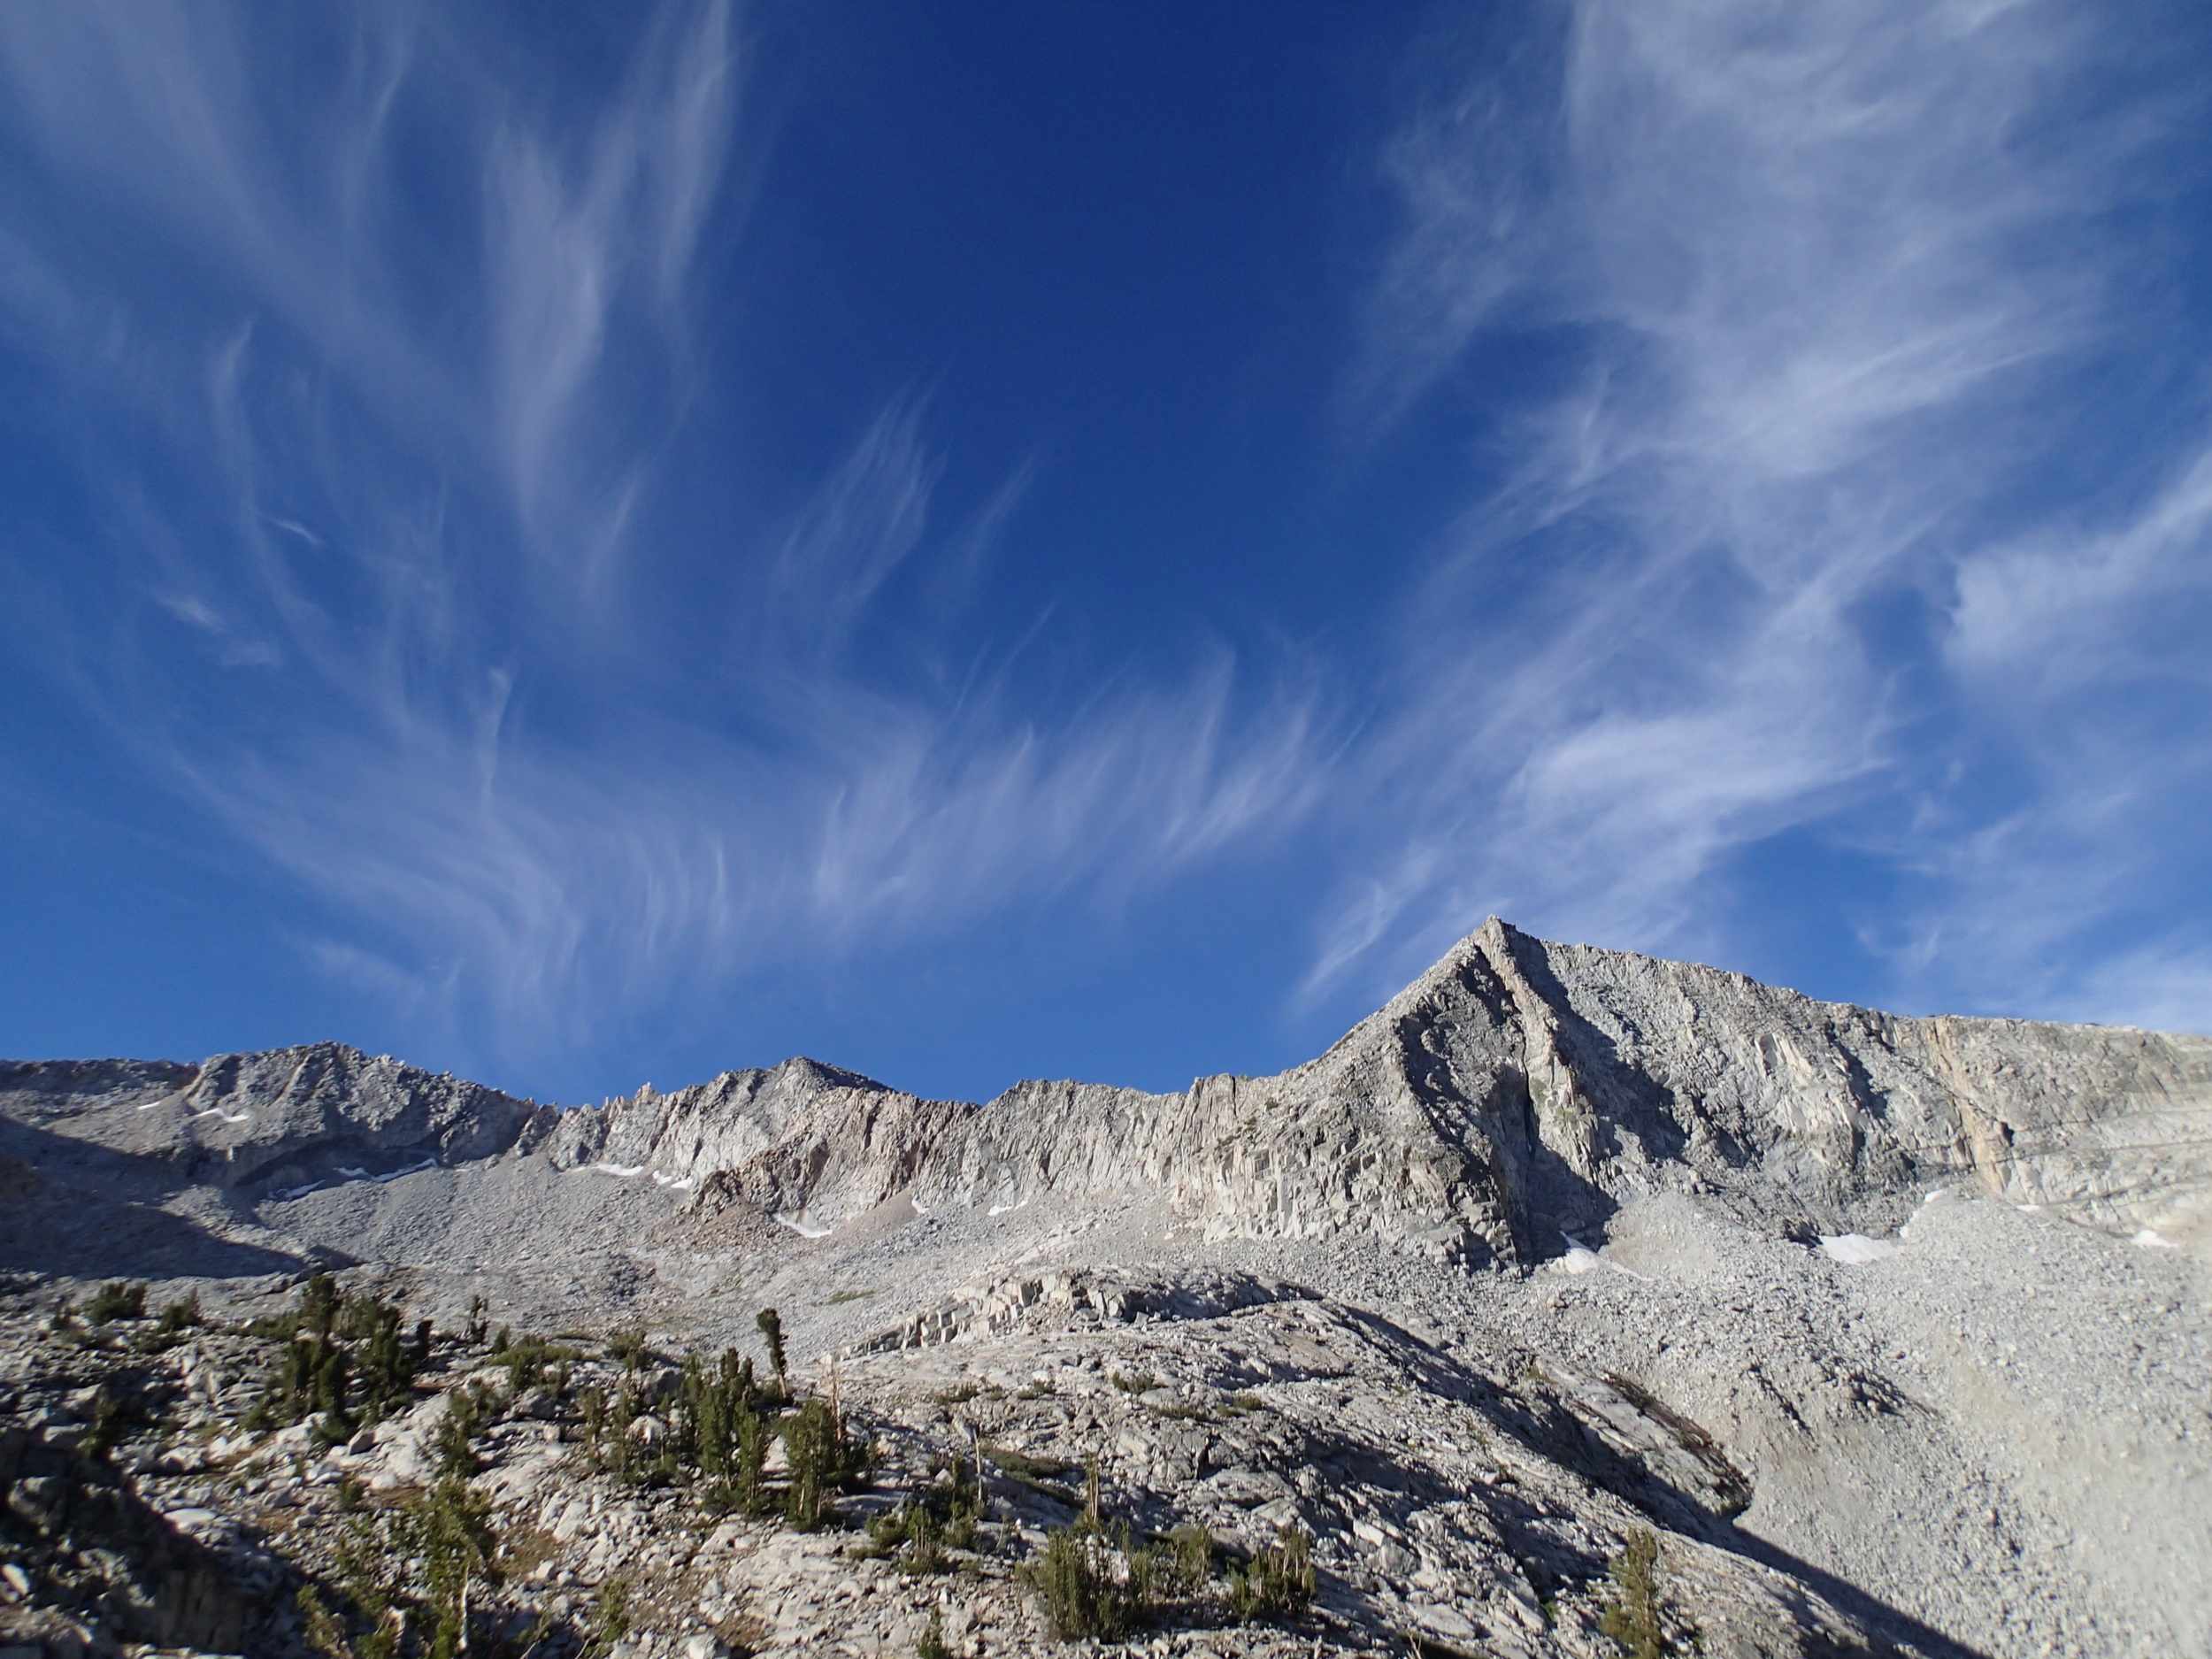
(359, 1175)
(216, 1111)
(684, 1186)
(917, 1206)
(804, 1228)
(1580, 1259)
(1855, 1249)
(2152, 1239)
(412, 1169)
(627, 1171)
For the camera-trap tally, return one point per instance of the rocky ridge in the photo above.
(1517, 1093)
(1560, 1248)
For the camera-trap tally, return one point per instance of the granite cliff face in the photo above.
(1517, 1095)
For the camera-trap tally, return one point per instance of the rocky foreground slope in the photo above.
(1571, 1289)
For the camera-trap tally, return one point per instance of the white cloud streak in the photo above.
(1811, 284)
(1822, 274)
(403, 432)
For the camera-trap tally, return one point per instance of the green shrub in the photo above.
(1191, 1549)
(591, 1406)
(320, 1304)
(932, 1645)
(1023, 1466)
(527, 1360)
(743, 1490)
(116, 1299)
(1091, 1587)
(332, 1341)
(109, 1422)
(176, 1319)
(962, 1505)
(453, 1540)
(821, 1459)
(1278, 1582)
(324, 1633)
(611, 1622)
(713, 1411)
(627, 1345)
(308, 1375)
(1632, 1619)
(465, 1411)
(331, 1380)
(924, 1551)
(374, 1555)
(389, 1366)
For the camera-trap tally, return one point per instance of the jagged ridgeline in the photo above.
(1518, 1092)
(1500, 1328)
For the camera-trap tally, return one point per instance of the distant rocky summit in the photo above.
(1571, 1300)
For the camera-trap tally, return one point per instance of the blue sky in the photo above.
(580, 545)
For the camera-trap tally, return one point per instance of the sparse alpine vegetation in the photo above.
(1632, 1618)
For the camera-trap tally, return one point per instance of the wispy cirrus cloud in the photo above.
(2077, 654)
(379, 334)
(1819, 289)
(584, 233)
(363, 479)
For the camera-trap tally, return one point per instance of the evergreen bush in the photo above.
(1278, 1582)
(116, 1300)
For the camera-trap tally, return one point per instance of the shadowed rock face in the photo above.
(289, 1115)
(160, 1585)
(1516, 1093)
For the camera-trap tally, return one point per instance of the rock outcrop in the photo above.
(287, 1118)
(1514, 1095)
(74, 1520)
